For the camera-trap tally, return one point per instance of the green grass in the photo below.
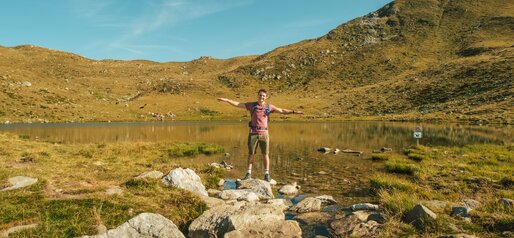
(450, 174)
(388, 182)
(399, 166)
(193, 149)
(69, 198)
(214, 176)
(397, 203)
(380, 156)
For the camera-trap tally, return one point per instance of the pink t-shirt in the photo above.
(259, 121)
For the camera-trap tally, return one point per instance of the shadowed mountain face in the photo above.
(434, 59)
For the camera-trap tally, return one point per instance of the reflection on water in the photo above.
(293, 145)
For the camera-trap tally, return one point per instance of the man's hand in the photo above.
(297, 112)
(222, 99)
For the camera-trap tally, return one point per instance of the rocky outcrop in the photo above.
(185, 179)
(142, 226)
(243, 218)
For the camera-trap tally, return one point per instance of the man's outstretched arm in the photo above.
(232, 102)
(287, 111)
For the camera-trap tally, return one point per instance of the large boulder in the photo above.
(142, 226)
(259, 187)
(244, 218)
(185, 179)
(419, 216)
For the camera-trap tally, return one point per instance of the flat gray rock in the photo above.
(151, 175)
(20, 182)
(259, 187)
(309, 204)
(113, 191)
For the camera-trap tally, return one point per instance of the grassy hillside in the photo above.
(410, 60)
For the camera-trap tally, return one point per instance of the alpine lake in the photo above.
(294, 154)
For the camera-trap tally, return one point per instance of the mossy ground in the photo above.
(69, 198)
(449, 174)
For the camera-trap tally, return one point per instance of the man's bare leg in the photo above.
(248, 174)
(250, 162)
(265, 163)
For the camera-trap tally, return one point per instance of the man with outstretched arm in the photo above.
(258, 135)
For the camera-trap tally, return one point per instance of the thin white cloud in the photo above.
(149, 17)
(171, 12)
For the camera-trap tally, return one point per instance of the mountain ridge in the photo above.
(409, 60)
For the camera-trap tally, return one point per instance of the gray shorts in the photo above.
(255, 140)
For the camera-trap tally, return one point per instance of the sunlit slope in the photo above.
(450, 60)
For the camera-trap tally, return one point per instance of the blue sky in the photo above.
(172, 30)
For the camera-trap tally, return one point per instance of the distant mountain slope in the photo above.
(433, 59)
(409, 57)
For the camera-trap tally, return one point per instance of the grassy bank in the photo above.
(70, 197)
(442, 177)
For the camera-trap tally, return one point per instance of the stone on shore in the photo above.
(212, 202)
(20, 182)
(327, 199)
(419, 216)
(354, 226)
(364, 206)
(151, 175)
(236, 194)
(282, 203)
(309, 204)
(289, 189)
(259, 187)
(242, 219)
(460, 211)
(185, 179)
(142, 226)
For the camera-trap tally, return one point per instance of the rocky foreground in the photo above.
(252, 210)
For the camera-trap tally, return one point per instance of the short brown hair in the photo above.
(263, 90)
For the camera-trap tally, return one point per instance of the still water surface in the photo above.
(293, 150)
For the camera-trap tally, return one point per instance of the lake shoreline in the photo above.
(99, 179)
